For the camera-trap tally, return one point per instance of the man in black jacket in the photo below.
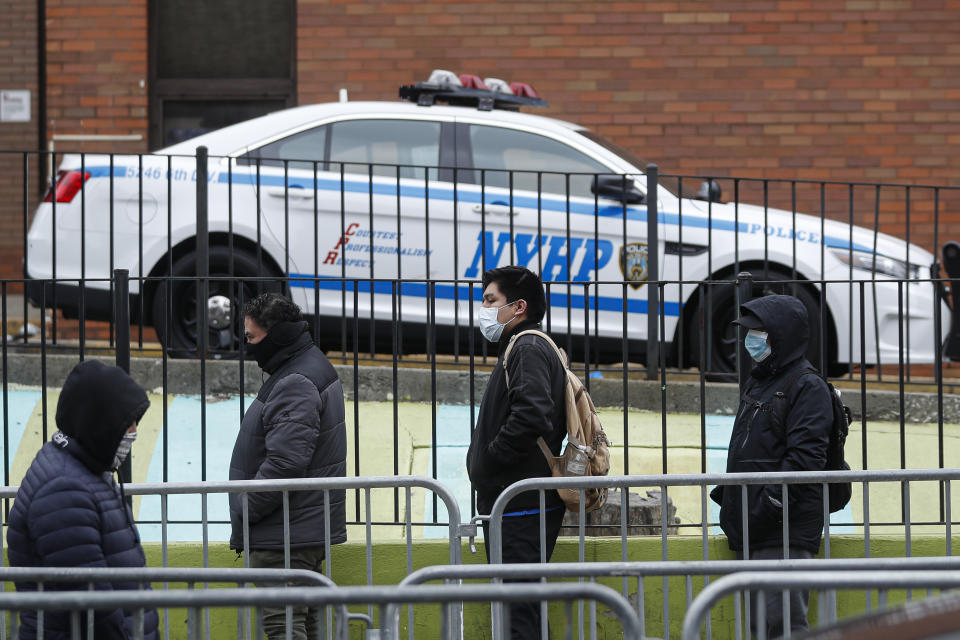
(783, 424)
(503, 448)
(294, 429)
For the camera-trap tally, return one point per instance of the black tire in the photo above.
(719, 302)
(178, 331)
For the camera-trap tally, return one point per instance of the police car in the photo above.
(338, 202)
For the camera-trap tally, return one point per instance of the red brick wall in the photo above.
(860, 90)
(18, 71)
(97, 70)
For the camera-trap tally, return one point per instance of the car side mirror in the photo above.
(709, 191)
(618, 188)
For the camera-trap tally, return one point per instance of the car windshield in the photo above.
(671, 184)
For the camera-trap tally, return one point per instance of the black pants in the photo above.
(306, 622)
(774, 599)
(521, 543)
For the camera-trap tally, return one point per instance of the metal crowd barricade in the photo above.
(89, 576)
(861, 479)
(686, 569)
(455, 528)
(286, 486)
(748, 580)
(383, 596)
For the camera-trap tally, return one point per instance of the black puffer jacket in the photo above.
(760, 443)
(503, 448)
(69, 512)
(294, 429)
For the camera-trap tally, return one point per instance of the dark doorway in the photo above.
(217, 62)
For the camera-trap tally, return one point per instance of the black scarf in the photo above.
(282, 340)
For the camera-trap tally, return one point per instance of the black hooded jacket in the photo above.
(759, 443)
(294, 429)
(503, 447)
(69, 512)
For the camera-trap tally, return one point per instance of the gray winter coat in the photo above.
(294, 429)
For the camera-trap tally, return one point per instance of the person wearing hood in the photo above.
(294, 429)
(503, 446)
(783, 424)
(69, 511)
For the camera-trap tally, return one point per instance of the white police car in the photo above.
(434, 194)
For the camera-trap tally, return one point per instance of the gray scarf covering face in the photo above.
(123, 449)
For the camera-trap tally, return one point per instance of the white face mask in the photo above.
(123, 449)
(490, 326)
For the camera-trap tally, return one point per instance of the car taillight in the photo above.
(68, 185)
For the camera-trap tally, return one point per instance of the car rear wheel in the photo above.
(177, 322)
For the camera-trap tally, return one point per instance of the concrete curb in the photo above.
(376, 384)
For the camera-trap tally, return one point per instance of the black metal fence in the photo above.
(642, 275)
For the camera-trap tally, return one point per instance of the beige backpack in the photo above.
(587, 452)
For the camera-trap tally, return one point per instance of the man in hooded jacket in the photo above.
(294, 429)
(777, 337)
(70, 512)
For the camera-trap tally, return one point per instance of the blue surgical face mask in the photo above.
(756, 345)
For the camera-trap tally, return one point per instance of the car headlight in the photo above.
(877, 263)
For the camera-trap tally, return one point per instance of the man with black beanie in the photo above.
(294, 429)
(70, 512)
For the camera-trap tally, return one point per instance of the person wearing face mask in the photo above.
(782, 384)
(503, 447)
(294, 429)
(69, 511)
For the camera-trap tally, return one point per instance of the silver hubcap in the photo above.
(218, 312)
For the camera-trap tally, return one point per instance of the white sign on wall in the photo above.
(15, 106)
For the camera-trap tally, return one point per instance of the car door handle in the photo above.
(293, 192)
(494, 209)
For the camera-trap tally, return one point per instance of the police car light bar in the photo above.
(523, 89)
(498, 85)
(470, 91)
(472, 82)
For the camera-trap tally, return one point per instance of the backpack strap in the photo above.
(794, 378)
(506, 352)
(791, 382)
(547, 453)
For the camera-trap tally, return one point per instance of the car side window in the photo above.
(301, 150)
(502, 151)
(386, 144)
